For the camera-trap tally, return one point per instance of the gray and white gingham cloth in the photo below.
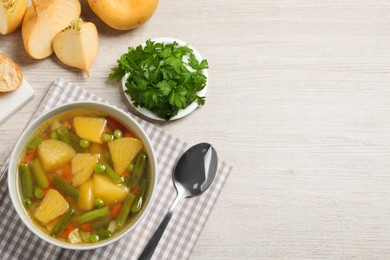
(179, 239)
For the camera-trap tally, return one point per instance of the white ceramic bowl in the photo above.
(182, 112)
(14, 186)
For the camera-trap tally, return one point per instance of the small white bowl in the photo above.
(182, 112)
(13, 182)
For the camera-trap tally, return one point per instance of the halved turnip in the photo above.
(123, 14)
(43, 20)
(11, 14)
(77, 45)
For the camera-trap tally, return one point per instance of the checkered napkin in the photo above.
(178, 241)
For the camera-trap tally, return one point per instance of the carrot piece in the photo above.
(136, 189)
(113, 124)
(128, 134)
(67, 173)
(46, 190)
(29, 157)
(125, 173)
(86, 227)
(115, 210)
(69, 228)
(46, 136)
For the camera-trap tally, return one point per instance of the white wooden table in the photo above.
(298, 103)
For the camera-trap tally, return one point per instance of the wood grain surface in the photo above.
(298, 103)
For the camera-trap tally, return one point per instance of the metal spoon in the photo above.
(194, 173)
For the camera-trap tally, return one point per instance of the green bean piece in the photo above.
(104, 233)
(27, 183)
(60, 226)
(130, 168)
(65, 187)
(101, 222)
(38, 193)
(139, 169)
(93, 214)
(111, 174)
(75, 143)
(63, 135)
(39, 174)
(33, 145)
(125, 210)
(137, 204)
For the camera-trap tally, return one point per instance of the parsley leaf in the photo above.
(162, 78)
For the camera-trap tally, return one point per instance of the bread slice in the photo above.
(10, 74)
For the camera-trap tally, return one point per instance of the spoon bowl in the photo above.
(194, 173)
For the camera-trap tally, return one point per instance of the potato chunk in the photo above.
(89, 128)
(109, 192)
(53, 205)
(123, 152)
(54, 154)
(87, 198)
(83, 165)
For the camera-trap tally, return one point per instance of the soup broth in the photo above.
(83, 177)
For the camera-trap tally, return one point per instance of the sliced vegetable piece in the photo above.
(106, 190)
(65, 187)
(87, 197)
(89, 128)
(27, 184)
(112, 227)
(60, 226)
(125, 210)
(123, 152)
(138, 172)
(83, 165)
(77, 45)
(85, 236)
(74, 236)
(39, 174)
(53, 205)
(54, 153)
(94, 214)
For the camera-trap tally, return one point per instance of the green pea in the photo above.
(100, 168)
(118, 133)
(107, 137)
(99, 203)
(27, 203)
(84, 143)
(95, 238)
(38, 193)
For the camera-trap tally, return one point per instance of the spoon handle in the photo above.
(153, 242)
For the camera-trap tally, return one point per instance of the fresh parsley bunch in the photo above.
(160, 79)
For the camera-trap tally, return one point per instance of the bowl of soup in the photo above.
(83, 175)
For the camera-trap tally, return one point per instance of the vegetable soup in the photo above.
(83, 177)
